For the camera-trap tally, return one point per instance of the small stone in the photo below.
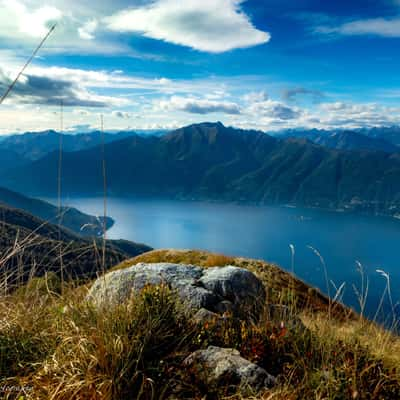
(216, 366)
(202, 316)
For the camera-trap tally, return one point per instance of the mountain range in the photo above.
(213, 162)
(390, 134)
(24, 148)
(344, 140)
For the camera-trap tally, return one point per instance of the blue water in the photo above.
(266, 233)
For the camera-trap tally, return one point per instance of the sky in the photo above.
(163, 64)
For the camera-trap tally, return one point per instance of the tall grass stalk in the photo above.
(362, 295)
(59, 187)
(14, 82)
(318, 254)
(104, 193)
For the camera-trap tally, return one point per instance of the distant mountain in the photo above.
(30, 246)
(211, 161)
(71, 218)
(343, 140)
(11, 159)
(34, 145)
(389, 134)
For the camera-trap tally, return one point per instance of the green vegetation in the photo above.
(59, 346)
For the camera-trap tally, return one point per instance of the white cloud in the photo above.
(17, 19)
(87, 30)
(49, 86)
(24, 22)
(199, 106)
(350, 115)
(255, 97)
(205, 25)
(163, 102)
(274, 110)
(384, 27)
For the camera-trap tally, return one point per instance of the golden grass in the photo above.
(382, 344)
(55, 346)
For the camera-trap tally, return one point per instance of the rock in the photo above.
(216, 366)
(202, 316)
(217, 289)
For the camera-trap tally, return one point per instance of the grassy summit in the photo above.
(59, 346)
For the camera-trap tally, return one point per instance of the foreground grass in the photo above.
(60, 347)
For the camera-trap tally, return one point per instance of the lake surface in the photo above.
(266, 233)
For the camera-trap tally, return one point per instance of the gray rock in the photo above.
(217, 289)
(203, 315)
(216, 366)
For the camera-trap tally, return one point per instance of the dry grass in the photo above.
(56, 346)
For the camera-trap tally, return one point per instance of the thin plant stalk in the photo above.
(59, 188)
(14, 82)
(104, 195)
(318, 254)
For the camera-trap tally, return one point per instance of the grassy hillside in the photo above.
(31, 246)
(60, 347)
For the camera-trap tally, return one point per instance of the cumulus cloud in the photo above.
(274, 110)
(48, 90)
(205, 25)
(199, 106)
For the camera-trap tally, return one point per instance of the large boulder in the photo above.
(217, 289)
(215, 367)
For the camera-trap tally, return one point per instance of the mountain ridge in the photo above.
(343, 140)
(209, 161)
(71, 218)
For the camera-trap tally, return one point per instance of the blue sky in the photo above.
(267, 65)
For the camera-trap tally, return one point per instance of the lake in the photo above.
(267, 233)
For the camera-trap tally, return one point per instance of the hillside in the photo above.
(213, 162)
(31, 246)
(64, 347)
(11, 159)
(71, 218)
